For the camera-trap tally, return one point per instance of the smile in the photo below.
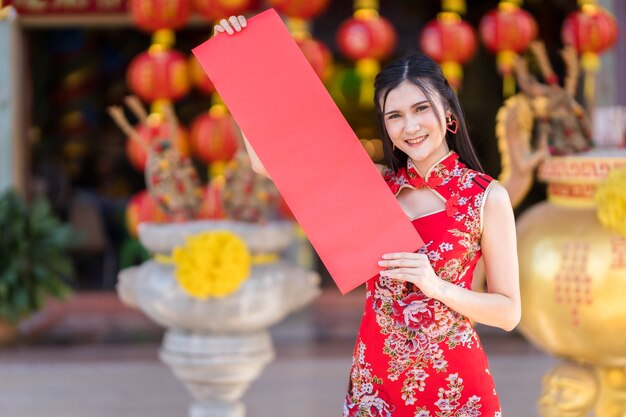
(418, 139)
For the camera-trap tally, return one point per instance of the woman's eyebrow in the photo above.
(415, 105)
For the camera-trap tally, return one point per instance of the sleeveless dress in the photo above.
(414, 356)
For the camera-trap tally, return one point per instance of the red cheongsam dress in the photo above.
(414, 356)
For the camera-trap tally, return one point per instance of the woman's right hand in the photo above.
(230, 26)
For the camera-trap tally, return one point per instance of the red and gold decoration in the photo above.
(143, 208)
(214, 136)
(153, 15)
(161, 73)
(591, 30)
(215, 10)
(151, 131)
(573, 277)
(247, 196)
(170, 176)
(450, 41)
(507, 31)
(212, 207)
(366, 38)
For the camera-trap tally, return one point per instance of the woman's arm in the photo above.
(500, 306)
(257, 165)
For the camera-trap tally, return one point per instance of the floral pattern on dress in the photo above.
(415, 333)
(362, 399)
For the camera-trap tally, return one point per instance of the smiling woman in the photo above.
(417, 353)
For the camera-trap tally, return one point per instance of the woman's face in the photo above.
(413, 126)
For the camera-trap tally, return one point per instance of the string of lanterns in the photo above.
(366, 38)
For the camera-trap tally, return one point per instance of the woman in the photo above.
(417, 353)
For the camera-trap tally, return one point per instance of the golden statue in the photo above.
(572, 267)
(548, 112)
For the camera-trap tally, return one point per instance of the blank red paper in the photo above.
(308, 149)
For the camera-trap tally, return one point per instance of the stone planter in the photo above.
(217, 347)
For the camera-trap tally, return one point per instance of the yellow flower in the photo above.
(611, 199)
(212, 264)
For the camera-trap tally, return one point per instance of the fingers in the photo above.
(406, 263)
(218, 29)
(235, 22)
(230, 26)
(403, 259)
(403, 255)
(404, 273)
(224, 23)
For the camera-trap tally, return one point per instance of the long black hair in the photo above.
(423, 72)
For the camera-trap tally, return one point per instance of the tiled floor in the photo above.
(307, 379)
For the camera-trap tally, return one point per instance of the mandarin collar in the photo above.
(439, 173)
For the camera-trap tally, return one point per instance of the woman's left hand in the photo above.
(414, 268)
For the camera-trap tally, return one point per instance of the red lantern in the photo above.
(142, 208)
(219, 9)
(448, 40)
(302, 9)
(318, 56)
(371, 37)
(153, 15)
(212, 136)
(198, 77)
(159, 75)
(592, 29)
(137, 153)
(507, 31)
(451, 42)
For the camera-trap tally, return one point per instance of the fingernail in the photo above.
(381, 262)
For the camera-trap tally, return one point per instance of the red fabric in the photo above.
(414, 356)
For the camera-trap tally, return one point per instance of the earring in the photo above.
(451, 124)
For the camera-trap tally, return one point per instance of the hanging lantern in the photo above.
(142, 208)
(507, 31)
(212, 136)
(153, 15)
(302, 9)
(138, 155)
(159, 75)
(215, 10)
(198, 77)
(590, 30)
(367, 38)
(318, 55)
(451, 42)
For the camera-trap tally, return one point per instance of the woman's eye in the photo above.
(421, 108)
(393, 116)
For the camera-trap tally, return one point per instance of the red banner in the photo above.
(69, 6)
(308, 149)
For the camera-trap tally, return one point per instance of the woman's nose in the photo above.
(411, 125)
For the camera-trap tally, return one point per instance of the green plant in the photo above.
(33, 259)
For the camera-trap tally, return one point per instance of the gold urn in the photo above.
(573, 287)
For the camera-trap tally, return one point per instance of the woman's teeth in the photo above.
(417, 140)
